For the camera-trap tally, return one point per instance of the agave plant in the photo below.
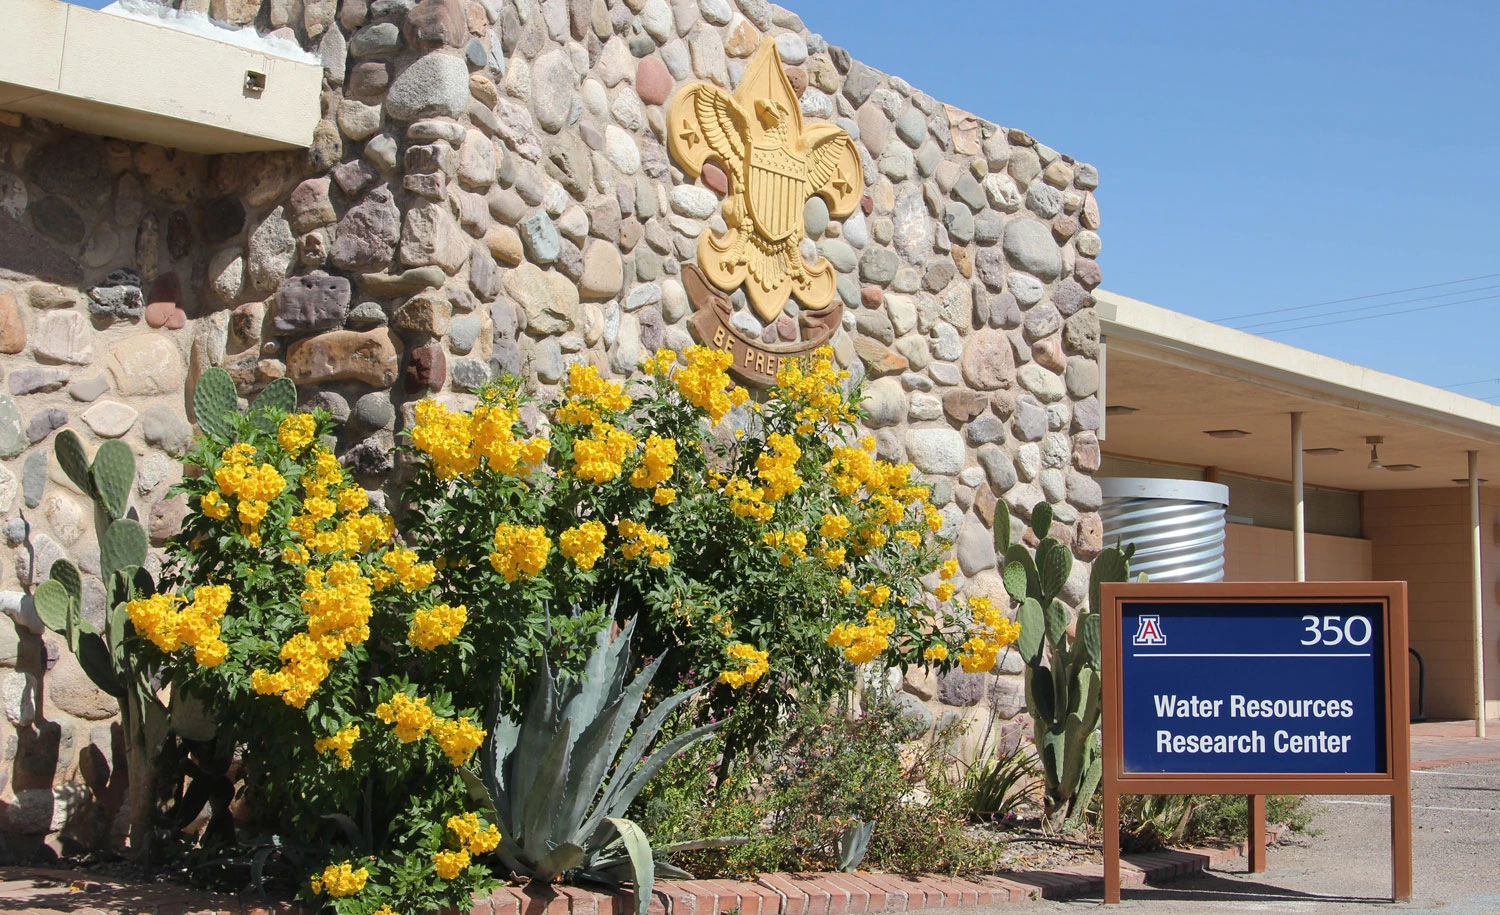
(558, 784)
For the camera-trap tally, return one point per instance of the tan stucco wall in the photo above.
(1422, 537)
(1265, 554)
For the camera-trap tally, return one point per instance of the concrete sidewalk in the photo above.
(1449, 743)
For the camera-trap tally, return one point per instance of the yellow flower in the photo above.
(656, 463)
(340, 743)
(296, 432)
(520, 552)
(777, 467)
(457, 739)
(752, 665)
(411, 718)
(664, 496)
(340, 880)
(705, 384)
(478, 840)
(446, 437)
(600, 457)
(948, 569)
(449, 864)
(583, 544)
(835, 527)
(866, 642)
(213, 505)
(845, 586)
(936, 653)
(944, 591)
(194, 625)
(991, 632)
(436, 627)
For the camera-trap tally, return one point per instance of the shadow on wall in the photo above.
(49, 784)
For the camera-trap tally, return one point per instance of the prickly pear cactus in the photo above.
(1063, 686)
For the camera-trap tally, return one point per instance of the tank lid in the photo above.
(1151, 488)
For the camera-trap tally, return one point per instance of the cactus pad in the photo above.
(214, 400)
(123, 545)
(114, 475)
(75, 463)
(280, 394)
(95, 659)
(53, 605)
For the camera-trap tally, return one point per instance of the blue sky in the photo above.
(1252, 156)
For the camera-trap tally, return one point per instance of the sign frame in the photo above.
(1395, 782)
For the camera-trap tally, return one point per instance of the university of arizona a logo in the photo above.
(1149, 631)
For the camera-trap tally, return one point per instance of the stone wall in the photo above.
(490, 190)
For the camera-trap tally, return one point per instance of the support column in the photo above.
(1477, 583)
(1299, 527)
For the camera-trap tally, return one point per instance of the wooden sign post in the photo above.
(1256, 689)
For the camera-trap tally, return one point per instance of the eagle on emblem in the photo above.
(774, 163)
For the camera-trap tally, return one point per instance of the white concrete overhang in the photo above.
(1185, 376)
(145, 81)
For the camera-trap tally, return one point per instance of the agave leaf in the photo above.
(851, 845)
(586, 698)
(645, 733)
(699, 845)
(350, 830)
(558, 860)
(641, 860)
(478, 793)
(522, 765)
(672, 871)
(545, 795)
(599, 746)
(74, 461)
(621, 796)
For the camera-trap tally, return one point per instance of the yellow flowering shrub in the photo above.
(295, 611)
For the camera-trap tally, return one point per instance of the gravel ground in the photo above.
(1346, 869)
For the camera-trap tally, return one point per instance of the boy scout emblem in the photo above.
(774, 164)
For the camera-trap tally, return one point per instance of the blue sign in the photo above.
(1278, 687)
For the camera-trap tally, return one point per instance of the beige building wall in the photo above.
(1422, 537)
(1265, 554)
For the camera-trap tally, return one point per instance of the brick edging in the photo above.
(768, 894)
(851, 894)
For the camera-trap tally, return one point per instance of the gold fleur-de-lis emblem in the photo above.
(774, 164)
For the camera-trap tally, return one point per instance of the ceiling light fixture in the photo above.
(1464, 481)
(1120, 410)
(1226, 433)
(1375, 441)
(1322, 452)
(1403, 468)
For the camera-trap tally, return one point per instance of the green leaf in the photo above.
(1002, 530)
(214, 401)
(1055, 614)
(52, 604)
(1054, 563)
(1041, 519)
(75, 463)
(95, 659)
(1033, 627)
(113, 471)
(124, 544)
(642, 862)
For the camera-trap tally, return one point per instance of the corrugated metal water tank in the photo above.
(1177, 526)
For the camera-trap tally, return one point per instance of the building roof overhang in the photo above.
(1186, 376)
(145, 81)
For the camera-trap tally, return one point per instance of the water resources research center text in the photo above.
(1236, 706)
